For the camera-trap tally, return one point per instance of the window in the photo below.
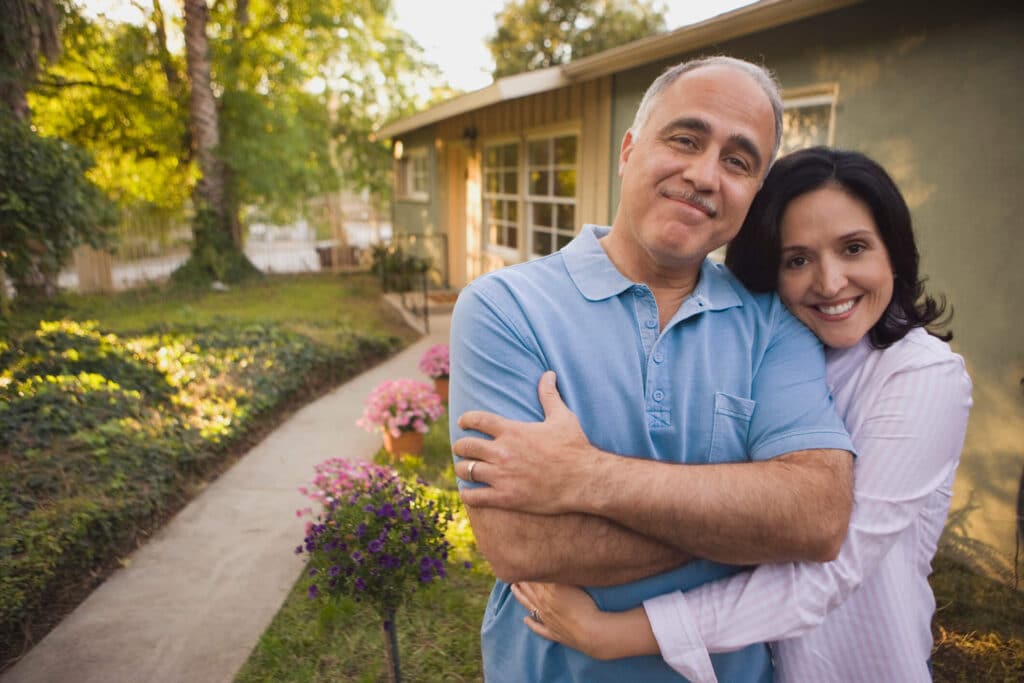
(501, 195)
(808, 117)
(551, 194)
(529, 195)
(414, 175)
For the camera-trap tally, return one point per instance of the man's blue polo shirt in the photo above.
(733, 377)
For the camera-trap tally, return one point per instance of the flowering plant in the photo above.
(376, 538)
(434, 362)
(401, 405)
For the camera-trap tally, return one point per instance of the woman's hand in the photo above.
(567, 615)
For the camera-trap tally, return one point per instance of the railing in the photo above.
(410, 265)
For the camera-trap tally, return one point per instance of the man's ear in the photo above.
(628, 141)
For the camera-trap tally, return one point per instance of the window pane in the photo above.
(542, 215)
(513, 238)
(512, 209)
(541, 243)
(540, 152)
(565, 150)
(805, 127)
(492, 156)
(567, 217)
(510, 184)
(563, 240)
(565, 183)
(512, 155)
(539, 181)
(491, 182)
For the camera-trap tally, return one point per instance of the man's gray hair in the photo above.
(762, 76)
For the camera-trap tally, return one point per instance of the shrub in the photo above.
(401, 405)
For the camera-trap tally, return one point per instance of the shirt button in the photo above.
(638, 292)
(652, 323)
(659, 358)
(658, 395)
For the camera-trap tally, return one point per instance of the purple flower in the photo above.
(386, 510)
(298, 550)
(467, 565)
(313, 591)
(426, 563)
(426, 576)
(376, 545)
(406, 515)
(312, 572)
(357, 557)
(360, 584)
(361, 530)
(334, 571)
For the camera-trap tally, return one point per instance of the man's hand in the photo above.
(528, 466)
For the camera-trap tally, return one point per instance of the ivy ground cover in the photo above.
(114, 410)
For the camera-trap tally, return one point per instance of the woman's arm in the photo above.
(909, 444)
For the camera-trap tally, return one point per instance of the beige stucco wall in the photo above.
(932, 90)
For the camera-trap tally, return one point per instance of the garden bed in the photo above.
(103, 436)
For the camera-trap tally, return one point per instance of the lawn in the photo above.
(115, 410)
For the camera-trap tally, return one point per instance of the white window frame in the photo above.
(818, 95)
(414, 175)
(524, 200)
(506, 253)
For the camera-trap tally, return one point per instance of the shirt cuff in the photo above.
(680, 641)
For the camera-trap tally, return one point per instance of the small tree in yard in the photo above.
(376, 539)
(47, 207)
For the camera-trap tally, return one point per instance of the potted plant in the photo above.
(435, 364)
(403, 410)
(376, 538)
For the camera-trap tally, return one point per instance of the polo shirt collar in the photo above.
(591, 270)
(597, 278)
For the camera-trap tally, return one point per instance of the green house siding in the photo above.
(933, 91)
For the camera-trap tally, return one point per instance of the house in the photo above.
(930, 88)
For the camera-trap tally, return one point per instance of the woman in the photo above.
(831, 232)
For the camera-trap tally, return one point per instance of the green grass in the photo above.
(314, 305)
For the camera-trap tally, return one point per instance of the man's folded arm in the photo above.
(495, 366)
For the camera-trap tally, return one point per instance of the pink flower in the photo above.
(401, 405)
(435, 362)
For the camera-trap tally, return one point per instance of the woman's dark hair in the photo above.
(754, 254)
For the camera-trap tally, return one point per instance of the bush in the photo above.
(100, 436)
(47, 207)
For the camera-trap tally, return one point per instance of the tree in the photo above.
(29, 30)
(534, 34)
(47, 205)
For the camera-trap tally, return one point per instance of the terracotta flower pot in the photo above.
(441, 387)
(405, 443)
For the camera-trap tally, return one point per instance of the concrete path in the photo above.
(192, 603)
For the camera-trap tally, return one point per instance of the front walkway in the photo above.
(191, 604)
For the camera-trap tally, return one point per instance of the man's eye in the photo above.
(684, 140)
(796, 262)
(738, 163)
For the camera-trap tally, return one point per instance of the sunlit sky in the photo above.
(452, 32)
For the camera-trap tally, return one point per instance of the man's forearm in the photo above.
(576, 549)
(794, 507)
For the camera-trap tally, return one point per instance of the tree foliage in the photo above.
(534, 34)
(47, 206)
(300, 86)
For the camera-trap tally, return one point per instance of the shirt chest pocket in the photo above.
(730, 428)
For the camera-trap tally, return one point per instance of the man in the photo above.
(662, 355)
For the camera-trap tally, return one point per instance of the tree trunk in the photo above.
(216, 249)
(202, 111)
